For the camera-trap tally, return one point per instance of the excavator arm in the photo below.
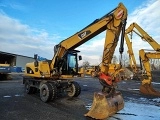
(146, 86)
(132, 59)
(109, 48)
(144, 35)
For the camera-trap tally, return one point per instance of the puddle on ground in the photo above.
(6, 96)
(126, 114)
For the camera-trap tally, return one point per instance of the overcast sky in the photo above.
(29, 27)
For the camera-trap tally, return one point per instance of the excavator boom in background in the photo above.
(146, 87)
(57, 75)
(132, 59)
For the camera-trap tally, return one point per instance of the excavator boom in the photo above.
(132, 59)
(144, 35)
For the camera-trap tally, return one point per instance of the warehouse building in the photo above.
(14, 59)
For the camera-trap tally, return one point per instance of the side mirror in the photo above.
(80, 57)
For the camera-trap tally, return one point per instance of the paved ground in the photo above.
(15, 104)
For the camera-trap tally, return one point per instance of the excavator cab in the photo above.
(68, 64)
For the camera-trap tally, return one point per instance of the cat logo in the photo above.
(83, 34)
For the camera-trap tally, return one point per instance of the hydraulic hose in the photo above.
(121, 49)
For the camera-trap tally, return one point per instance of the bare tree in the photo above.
(125, 60)
(85, 64)
(155, 64)
(114, 59)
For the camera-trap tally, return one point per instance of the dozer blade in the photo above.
(103, 106)
(149, 90)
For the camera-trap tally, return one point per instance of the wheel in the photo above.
(74, 90)
(29, 89)
(54, 90)
(46, 92)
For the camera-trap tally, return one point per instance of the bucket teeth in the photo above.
(149, 90)
(103, 107)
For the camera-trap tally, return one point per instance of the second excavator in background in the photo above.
(146, 85)
(93, 70)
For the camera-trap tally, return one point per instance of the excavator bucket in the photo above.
(103, 106)
(149, 90)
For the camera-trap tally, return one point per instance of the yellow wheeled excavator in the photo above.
(58, 75)
(146, 86)
(92, 70)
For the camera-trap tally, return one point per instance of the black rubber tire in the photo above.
(29, 89)
(46, 92)
(55, 91)
(75, 90)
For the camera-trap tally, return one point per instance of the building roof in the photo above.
(12, 54)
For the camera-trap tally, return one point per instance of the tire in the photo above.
(75, 90)
(46, 92)
(54, 90)
(29, 89)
